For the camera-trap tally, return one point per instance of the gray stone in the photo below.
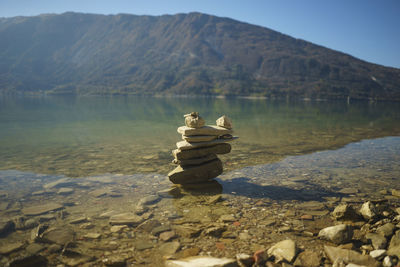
(199, 138)
(224, 122)
(126, 218)
(386, 230)
(196, 174)
(184, 145)
(338, 234)
(6, 228)
(223, 148)
(368, 210)
(195, 161)
(148, 200)
(283, 250)
(59, 236)
(205, 130)
(378, 241)
(60, 183)
(65, 191)
(143, 244)
(41, 209)
(308, 258)
(8, 248)
(345, 212)
(203, 261)
(34, 248)
(347, 256)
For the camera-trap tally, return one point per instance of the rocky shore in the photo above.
(118, 220)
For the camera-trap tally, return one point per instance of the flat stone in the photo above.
(126, 218)
(118, 228)
(205, 130)
(169, 248)
(100, 192)
(148, 200)
(308, 258)
(196, 174)
(283, 250)
(222, 148)
(368, 210)
(187, 231)
(195, 161)
(378, 253)
(349, 191)
(378, 241)
(203, 261)
(60, 183)
(227, 218)
(171, 192)
(338, 234)
(143, 244)
(34, 248)
(160, 229)
(108, 214)
(184, 145)
(78, 220)
(149, 225)
(8, 248)
(59, 236)
(199, 138)
(28, 260)
(41, 209)
(65, 191)
(92, 235)
(168, 235)
(215, 231)
(349, 256)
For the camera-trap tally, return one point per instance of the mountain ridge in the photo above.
(189, 54)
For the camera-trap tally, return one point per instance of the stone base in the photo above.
(196, 174)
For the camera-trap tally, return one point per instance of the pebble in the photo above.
(283, 250)
(368, 210)
(338, 234)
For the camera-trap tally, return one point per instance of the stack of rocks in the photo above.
(196, 155)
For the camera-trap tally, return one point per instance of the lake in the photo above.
(93, 155)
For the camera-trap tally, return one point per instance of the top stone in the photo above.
(193, 120)
(224, 122)
(205, 130)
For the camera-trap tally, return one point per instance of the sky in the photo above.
(366, 29)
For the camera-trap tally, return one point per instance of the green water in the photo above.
(81, 136)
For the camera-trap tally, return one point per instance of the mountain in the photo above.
(184, 54)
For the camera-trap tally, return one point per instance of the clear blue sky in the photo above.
(367, 29)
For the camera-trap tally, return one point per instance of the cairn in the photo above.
(196, 155)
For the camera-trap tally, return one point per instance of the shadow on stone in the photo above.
(243, 187)
(205, 188)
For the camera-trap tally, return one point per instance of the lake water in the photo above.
(110, 153)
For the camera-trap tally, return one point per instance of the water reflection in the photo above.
(81, 136)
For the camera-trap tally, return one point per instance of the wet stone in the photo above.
(148, 200)
(59, 236)
(118, 228)
(368, 210)
(34, 248)
(349, 256)
(283, 250)
(126, 218)
(6, 228)
(169, 248)
(308, 258)
(60, 183)
(8, 248)
(41, 209)
(78, 220)
(65, 191)
(92, 236)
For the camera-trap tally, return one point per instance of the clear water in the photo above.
(292, 158)
(81, 136)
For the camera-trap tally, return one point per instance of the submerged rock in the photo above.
(308, 258)
(41, 209)
(6, 228)
(8, 248)
(126, 218)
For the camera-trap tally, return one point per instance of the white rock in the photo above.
(284, 250)
(338, 234)
(368, 210)
(377, 253)
(225, 122)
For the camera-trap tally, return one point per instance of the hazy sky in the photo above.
(367, 29)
